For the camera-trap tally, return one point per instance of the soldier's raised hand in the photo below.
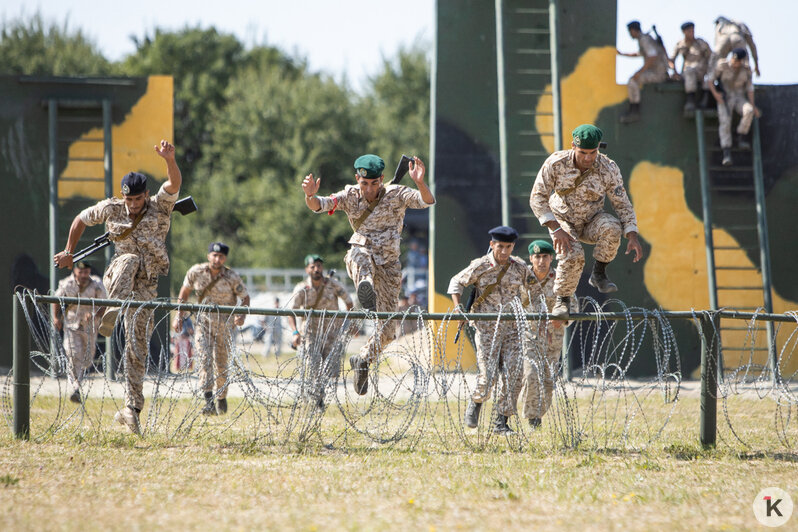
(165, 150)
(310, 186)
(417, 170)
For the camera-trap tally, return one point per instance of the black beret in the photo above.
(218, 247)
(687, 25)
(134, 183)
(634, 25)
(739, 53)
(503, 233)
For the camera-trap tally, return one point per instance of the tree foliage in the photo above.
(36, 47)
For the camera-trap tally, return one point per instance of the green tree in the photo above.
(275, 129)
(36, 47)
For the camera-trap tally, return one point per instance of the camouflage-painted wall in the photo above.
(142, 114)
(658, 157)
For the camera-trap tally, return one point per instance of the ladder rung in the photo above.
(98, 179)
(732, 208)
(532, 31)
(533, 113)
(80, 119)
(531, 11)
(739, 287)
(736, 268)
(731, 168)
(734, 328)
(738, 309)
(84, 159)
(728, 188)
(532, 51)
(728, 248)
(745, 348)
(537, 133)
(534, 71)
(735, 227)
(530, 92)
(72, 140)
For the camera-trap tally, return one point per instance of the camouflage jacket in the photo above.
(649, 47)
(148, 239)
(559, 172)
(696, 54)
(79, 317)
(305, 295)
(517, 282)
(226, 291)
(380, 232)
(735, 81)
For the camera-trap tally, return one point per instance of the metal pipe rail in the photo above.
(707, 323)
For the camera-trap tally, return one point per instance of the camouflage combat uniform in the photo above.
(214, 331)
(696, 61)
(656, 74)
(543, 350)
(374, 251)
(728, 36)
(321, 345)
(737, 83)
(580, 213)
(80, 329)
(498, 344)
(133, 274)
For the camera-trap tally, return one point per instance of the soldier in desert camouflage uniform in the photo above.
(730, 34)
(696, 53)
(138, 225)
(499, 278)
(654, 69)
(376, 214)
(78, 323)
(319, 342)
(568, 198)
(544, 342)
(737, 96)
(216, 284)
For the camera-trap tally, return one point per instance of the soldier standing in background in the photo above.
(320, 340)
(738, 95)
(568, 198)
(654, 69)
(78, 323)
(216, 284)
(376, 213)
(696, 53)
(499, 278)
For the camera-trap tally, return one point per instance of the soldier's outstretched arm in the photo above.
(174, 179)
(63, 259)
(310, 187)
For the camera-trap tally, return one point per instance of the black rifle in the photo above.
(659, 40)
(401, 169)
(184, 206)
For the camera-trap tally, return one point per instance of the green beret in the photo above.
(310, 259)
(369, 166)
(587, 136)
(541, 246)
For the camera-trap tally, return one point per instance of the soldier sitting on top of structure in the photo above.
(735, 92)
(654, 69)
(696, 53)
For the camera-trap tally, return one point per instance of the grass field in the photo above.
(223, 475)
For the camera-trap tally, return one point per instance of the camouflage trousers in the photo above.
(541, 367)
(125, 279)
(387, 280)
(693, 78)
(499, 357)
(80, 346)
(649, 76)
(214, 341)
(739, 103)
(604, 230)
(320, 354)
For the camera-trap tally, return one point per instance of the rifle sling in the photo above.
(126, 233)
(488, 289)
(211, 285)
(372, 205)
(565, 191)
(318, 294)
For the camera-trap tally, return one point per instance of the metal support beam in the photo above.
(502, 110)
(110, 361)
(52, 131)
(706, 209)
(764, 249)
(555, 76)
(710, 342)
(21, 370)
